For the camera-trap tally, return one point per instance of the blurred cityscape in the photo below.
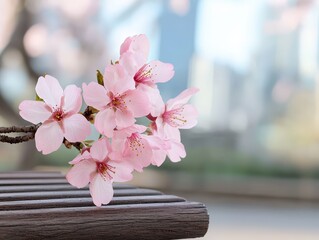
(256, 63)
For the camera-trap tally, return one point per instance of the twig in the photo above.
(77, 145)
(88, 113)
(24, 129)
(14, 140)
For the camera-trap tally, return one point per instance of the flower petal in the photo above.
(137, 43)
(99, 149)
(95, 95)
(159, 157)
(80, 174)
(154, 97)
(72, 99)
(138, 153)
(123, 171)
(137, 102)
(176, 152)
(124, 119)
(190, 115)
(159, 71)
(181, 99)
(49, 89)
(34, 111)
(117, 80)
(132, 62)
(76, 128)
(101, 190)
(84, 155)
(48, 137)
(166, 131)
(105, 122)
(171, 132)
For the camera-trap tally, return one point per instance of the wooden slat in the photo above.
(135, 221)
(43, 181)
(84, 202)
(38, 205)
(29, 175)
(53, 187)
(71, 194)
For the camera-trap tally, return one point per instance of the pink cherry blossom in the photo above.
(118, 102)
(163, 146)
(58, 114)
(133, 58)
(95, 167)
(136, 44)
(133, 146)
(177, 114)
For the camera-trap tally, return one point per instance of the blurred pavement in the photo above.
(245, 219)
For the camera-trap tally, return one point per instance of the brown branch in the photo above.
(88, 113)
(24, 129)
(77, 145)
(14, 140)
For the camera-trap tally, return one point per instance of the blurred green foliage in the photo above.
(217, 161)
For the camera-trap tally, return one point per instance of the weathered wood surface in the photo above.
(42, 205)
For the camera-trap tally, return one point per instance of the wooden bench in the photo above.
(42, 205)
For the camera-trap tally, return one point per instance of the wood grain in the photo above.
(45, 207)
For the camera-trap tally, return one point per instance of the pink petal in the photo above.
(99, 149)
(176, 152)
(164, 130)
(138, 154)
(95, 95)
(137, 43)
(34, 111)
(124, 119)
(138, 103)
(80, 174)
(101, 190)
(49, 89)
(76, 128)
(171, 132)
(105, 122)
(155, 99)
(132, 62)
(117, 80)
(80, 157)
(159, 71)
(123, 171)
(190, 114)
(72, 99)
(159, 147)
(117, 147)
(181, 99)
(126, 132)
(159, 157)
(48, 137)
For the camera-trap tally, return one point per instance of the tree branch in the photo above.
(24, 129)
(15, 140)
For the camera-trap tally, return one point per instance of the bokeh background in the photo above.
(253, 159)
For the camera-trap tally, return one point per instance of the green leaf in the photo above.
(99, 77)
(88, 142)
(37, 98)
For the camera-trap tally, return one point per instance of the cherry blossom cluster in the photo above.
(125, 92)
